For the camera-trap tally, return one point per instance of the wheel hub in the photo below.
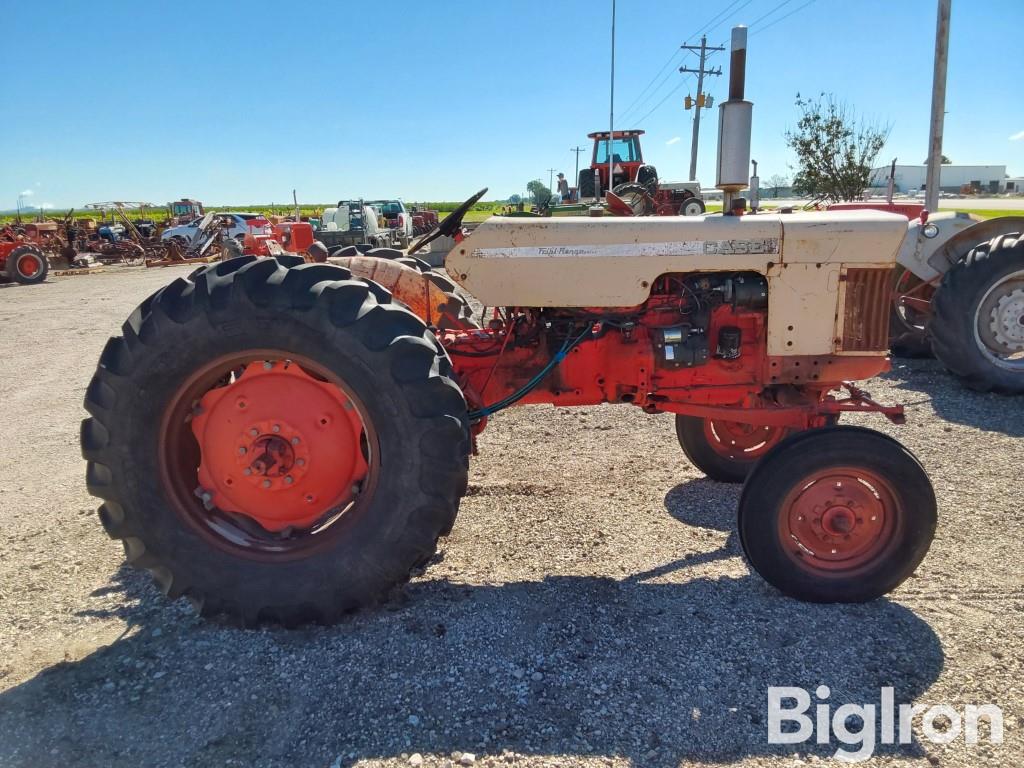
(279, 446)
(837, 520)
(1006, 322)
(741, 441)
(28, 265)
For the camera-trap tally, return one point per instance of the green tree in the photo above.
(539, 192)
(945, 161)
(834, 150)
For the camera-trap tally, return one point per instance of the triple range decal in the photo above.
(768, 245)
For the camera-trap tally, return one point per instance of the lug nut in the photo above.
(295, 441)
(267, 365)
(266, 483)
(254, 432)
(277, 427)
(246, 471)
(242, 451)
(288, 480)
(300, 462)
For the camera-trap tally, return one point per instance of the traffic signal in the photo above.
(708, 101)
(688, 102)
(700, 99)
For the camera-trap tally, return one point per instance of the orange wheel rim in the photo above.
(742, 442)
(839, 519)
(28, 265)
(267, 451)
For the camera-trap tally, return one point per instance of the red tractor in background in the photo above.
(21, 261)
(634, 187)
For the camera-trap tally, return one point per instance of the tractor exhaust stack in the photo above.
(734, 122)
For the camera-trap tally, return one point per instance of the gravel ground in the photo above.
(590, 608)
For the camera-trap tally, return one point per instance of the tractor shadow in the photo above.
(644, 668)
(954, 402)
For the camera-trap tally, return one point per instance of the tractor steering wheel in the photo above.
(451, 223)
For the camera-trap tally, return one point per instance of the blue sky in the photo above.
(241, 102)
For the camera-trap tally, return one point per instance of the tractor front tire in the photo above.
(837, 515)
(725, 450)
(27, 265)
(275, 441)
(586, 186)
(693, 207)
(977, 324)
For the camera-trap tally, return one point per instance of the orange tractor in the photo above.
(21, 260)
(286, 441)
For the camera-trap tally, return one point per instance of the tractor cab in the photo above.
(623, 150)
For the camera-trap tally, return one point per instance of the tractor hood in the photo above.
(611, 261)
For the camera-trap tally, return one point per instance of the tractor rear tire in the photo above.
(837, 515)
(977, 324)
(906, 338)
(647, 177)
(331, 334)
(586, 185)
(27, 265)
(711, 446)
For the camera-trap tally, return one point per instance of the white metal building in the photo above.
(984, 178)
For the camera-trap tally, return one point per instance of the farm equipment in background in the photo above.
(285, 238)
(183, 211)
(21, 261)
(352, 222)
(423, 221)
(958, 292)
(634, 188)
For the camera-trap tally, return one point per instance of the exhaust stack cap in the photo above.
(734, 122)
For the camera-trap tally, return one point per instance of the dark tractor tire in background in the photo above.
(837, 515)
(647, 177)
(725, 451)
(977, 324)
(586, 185)
(908, 335)
(27, 265)
(283, 350)
(693, 207)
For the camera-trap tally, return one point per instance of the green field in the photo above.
(479, 212)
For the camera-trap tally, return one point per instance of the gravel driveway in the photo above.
(591, 606)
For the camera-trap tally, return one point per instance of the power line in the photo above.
(655, 109)
(718, 15)
(773, 10)
(653, 94)
(783, 18)
(661, 71)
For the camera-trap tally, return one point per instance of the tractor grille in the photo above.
(866, 310)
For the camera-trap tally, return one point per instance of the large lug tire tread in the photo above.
(954, 308)
(690, 432)
(383, 352)
(12, 265)
(804, 453)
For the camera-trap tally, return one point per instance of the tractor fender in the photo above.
(980, 231)
(421, 294)
(924, 241)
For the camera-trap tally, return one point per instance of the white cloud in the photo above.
(1017, 136)
(673, 140)
(27, 193)
(45, 206)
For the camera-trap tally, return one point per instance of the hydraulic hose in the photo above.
(529, 386)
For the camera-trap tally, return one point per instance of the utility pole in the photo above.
(700, 72)
(577, 150)
(611, 113)
(551, 178)
(932, 180)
